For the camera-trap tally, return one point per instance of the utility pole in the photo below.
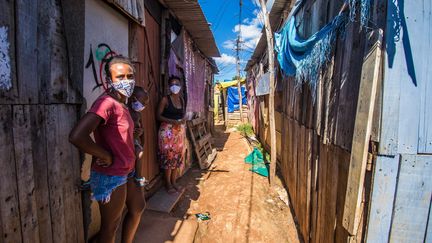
(238, 63)
(269, 35)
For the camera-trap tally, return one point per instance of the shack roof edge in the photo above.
(187, 11)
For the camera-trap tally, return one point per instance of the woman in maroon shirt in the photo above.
(113, 153)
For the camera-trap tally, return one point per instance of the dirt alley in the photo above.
(242, 206)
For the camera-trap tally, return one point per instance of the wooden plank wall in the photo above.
(264, 130)
(402, 213)
(40, 170)
(317, 136)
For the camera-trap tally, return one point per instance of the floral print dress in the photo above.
(171, 145)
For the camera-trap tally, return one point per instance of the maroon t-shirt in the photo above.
(115, 134)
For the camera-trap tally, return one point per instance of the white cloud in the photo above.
(229, 44)
(250, 30)
(225, 59)
(250, 35)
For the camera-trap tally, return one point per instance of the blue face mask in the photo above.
(124, 87)
(137, 106)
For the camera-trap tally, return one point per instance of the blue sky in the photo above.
(224, 17)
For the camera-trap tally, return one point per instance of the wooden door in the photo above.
(145, 52)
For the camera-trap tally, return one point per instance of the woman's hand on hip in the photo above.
(104, 162)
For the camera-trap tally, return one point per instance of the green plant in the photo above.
(245, 129)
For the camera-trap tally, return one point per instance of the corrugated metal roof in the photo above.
(191, 16)
(275, 17)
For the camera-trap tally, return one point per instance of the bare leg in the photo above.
(168, 183)
(111, 213)
(135, 203)
(174, 179)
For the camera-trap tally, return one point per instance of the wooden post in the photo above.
(224, 104)
(240, 98)
(238, 65)
(269, 35)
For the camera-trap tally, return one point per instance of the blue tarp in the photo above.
(305, 59)
(233, 98)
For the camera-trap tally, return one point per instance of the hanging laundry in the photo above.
(306, 58)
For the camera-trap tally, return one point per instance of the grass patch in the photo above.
(245, 129)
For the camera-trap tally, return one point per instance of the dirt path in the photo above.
(242, 206)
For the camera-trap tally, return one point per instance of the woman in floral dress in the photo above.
(171, 111)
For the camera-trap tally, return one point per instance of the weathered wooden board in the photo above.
(291, 163)
(322, 178)
(308, 177)
(330, 195)
(423, 60)
(301, 182)
(26, 46)
(279, 145)
(383, 194)
(333, 80)
(9, 201)
(413, 199)
(428, 237)
(389, 139)
(61, 89)
(412, 65)
(362, 131)
(23, 149)
(40, 165)
(63, 180)
(314, 186)
(74, 34)
(342, 234)
(425, 130)
(56, 166)
(351, 73)
(8, 45)
(295, 164)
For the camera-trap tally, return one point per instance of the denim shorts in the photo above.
(103, 185)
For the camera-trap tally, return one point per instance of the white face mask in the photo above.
(137, 106)
(175, 89)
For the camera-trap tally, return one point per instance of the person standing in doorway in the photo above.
(112, 171)
(170, 113)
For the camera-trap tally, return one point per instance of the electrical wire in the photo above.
(221, 13)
